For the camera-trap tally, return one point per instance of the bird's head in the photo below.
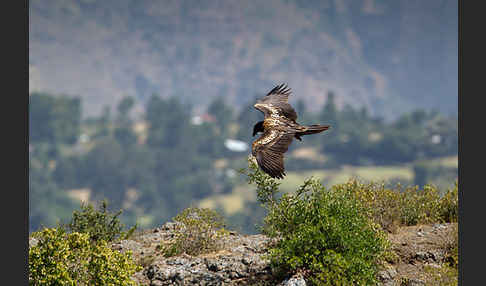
(258, 128)
(258, 104)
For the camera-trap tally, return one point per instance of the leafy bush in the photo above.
(391, 208)
(383, 204)
(326, 234)
(420, 206)
(99, 224)
(449, 205)
(71, 259)
(197, 230)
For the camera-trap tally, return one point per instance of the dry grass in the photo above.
(197, 231)
(396, 207)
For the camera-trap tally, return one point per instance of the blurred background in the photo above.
(149, 104)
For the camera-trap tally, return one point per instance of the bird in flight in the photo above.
(278, 129)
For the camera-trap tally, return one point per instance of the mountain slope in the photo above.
(387, 56)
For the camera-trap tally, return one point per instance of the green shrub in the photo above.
(73, 259)
(420, 206)
(392, 208)
(197, 230)
(325, 234)
(449, 205)
(383, 204)
(99, 224)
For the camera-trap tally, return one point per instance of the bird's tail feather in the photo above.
(313, 129)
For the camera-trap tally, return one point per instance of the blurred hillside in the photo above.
(388, 56)
(168, 160)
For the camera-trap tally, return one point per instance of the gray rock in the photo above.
(295, 280)
(240, 262)
(168, 226)
(390, 283)
(428, 256)
(387, 275)
(440, 226)
(422, 255)
(392, 272)
(213, 265)
(124, 245)
(222, 269)
(33, 241)
(415, 282)
(246, 260)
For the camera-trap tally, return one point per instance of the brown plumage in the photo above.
(279, 127)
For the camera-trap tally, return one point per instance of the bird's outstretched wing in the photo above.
(281, 92)
(277, 102)
(269, 149)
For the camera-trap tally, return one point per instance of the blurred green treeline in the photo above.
(164, 159)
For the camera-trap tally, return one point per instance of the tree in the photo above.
(168, 121)
(104, 169)
(181, 169)
(125, 106)
(223, 114)
(54, 119)
(329, 112)
(124, 131)
(47, 202)
(103, 123)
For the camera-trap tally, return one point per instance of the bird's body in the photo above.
(279, 128)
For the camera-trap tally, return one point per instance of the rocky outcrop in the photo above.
(417, 247)
(241, 260)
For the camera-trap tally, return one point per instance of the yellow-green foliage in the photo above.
(197, 230)
(325, 234)
(382, 205)
(394, 207)
(334, 236)
(449, 205)
(99, 224)
(60, 258)
(420, 206)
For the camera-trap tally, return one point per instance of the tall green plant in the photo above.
(197, 231)
(99, 224)
(60, 258)
(325, 234)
